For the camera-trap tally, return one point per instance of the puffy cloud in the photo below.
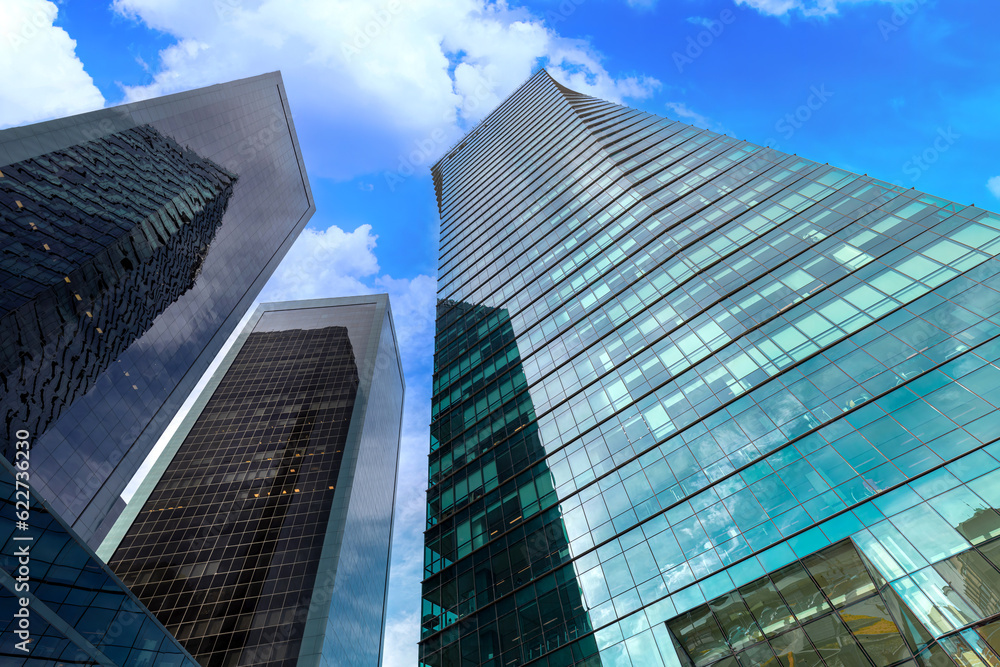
(804, 7)
(324, 263)
(413, 308)
(373, 78)
(994, 185)
(40, 74)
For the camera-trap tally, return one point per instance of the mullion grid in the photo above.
(503, 534)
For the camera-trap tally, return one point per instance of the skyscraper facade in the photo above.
(134, 239)
(262, 535)
(60, 604)
(699, 402)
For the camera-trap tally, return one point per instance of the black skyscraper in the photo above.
(262, 535)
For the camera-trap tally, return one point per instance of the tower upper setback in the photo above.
(132, 241)
(700, 402)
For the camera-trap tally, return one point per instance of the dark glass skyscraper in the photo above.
(763, 393)
(262, 535)
(132, 241)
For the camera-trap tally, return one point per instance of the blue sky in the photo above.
(908, 92)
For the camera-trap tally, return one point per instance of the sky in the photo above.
(905, 91)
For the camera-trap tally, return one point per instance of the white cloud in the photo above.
(323, 263)
(994, 185)
(685, 114)
(332, 262)
(401, 635)
(371, 78)
(413, 309)
(40, 74)
(804, 7)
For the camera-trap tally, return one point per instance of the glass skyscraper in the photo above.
(132, 241)
(699, 402)
(60, 604)
(262, 535)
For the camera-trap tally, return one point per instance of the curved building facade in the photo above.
(763, 404)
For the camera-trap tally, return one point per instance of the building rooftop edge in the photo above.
(453, 149)
(325, 302)
(16, 131)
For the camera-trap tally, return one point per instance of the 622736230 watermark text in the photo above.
(21, 543)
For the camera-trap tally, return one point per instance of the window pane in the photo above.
(794, 650)
(990, 657)
(934, 656)
(799, 591)
(991, 633)
(840, 573)
(961, 652)
(933, 614)
(930, 534)
(771, 613)
(758, 656)
(728, 662)
(914, 633)
(975, 580)
(737, 624)
(834, 643)
(699, 635)
(876, 631)
(968, 513)
(992, 551)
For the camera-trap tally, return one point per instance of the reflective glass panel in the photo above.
(972, 577)
(794, 650)
(968, 513)
(914, 633)
(700, 635)
(771, 613)
(800, 592)
(934, 656)
(736, 621)
(840, 572)
(991, 635)
(757, 656)
(875, 630)
(834, 642)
